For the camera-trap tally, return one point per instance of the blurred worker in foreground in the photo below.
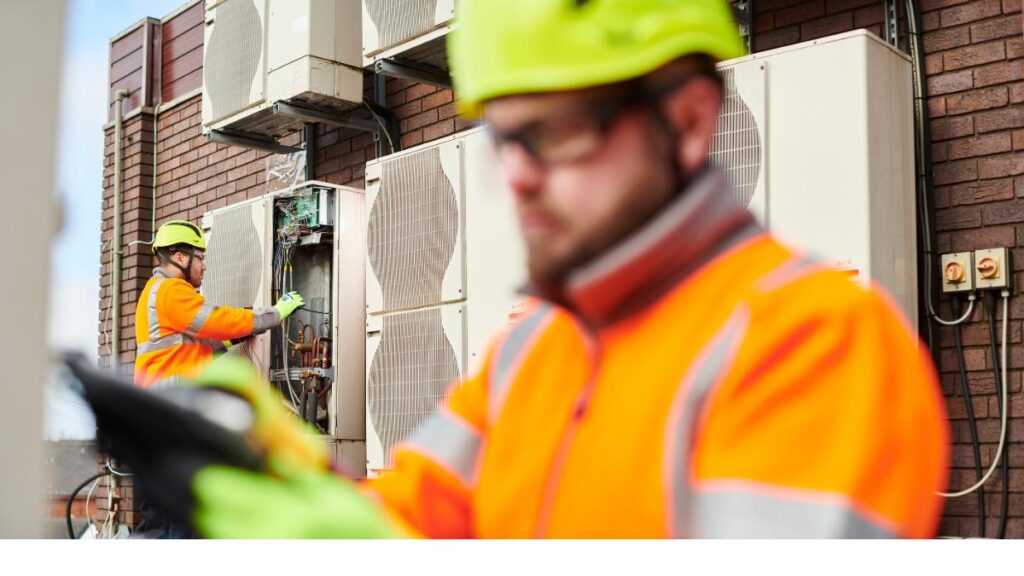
(176, 329)
(678, 371)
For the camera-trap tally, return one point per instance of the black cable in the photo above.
(315, 311)
(71, 500)
(990, 310)
(975, 443)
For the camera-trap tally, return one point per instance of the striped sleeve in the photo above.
(186, 311)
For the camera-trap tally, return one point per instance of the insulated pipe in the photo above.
(115, 244)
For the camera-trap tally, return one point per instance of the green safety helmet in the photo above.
(504, 47)
(179, 232)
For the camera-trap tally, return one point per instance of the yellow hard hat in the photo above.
(179, 232)
(503, 47)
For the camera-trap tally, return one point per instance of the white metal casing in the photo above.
(437, 335)
(232, 269)
(833, 151)
(395, 27)
(271, 50)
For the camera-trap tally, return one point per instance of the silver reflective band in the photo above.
(154, 318)
(200, 320)
(167, 342)
(710, 367)
(265, 319)
(737, 513)
(510, 356)
(450, 442)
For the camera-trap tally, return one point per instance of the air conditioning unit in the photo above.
(258, 52)
(309, 238)
(817, 140)
(413, 30)
(443, 263)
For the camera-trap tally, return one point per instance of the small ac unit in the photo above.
(817, 140)
(239, 247)
(412, 29)
(443, 263)
(258, 52)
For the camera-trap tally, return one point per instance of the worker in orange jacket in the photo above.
(176, 329)
(678, 372)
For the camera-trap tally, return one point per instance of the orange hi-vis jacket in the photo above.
(698, 380)
(177, 330)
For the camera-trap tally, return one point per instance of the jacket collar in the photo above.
(701, 223)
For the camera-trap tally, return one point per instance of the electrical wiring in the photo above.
(88, 498)
(71, 500)
(383, 128)
(110, 467)
(972, 424)
(1003, 408)
(990, 305)
(970, 309)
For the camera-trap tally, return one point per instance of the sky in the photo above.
(74, 279)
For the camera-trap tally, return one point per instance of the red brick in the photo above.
(1001, 166)
(930, 21)
(412, 138)
(438, 130)
(763, 22)
(996, 28)
(975, 100)
(946, 38)
(940, 152)
(981, 192)
(980, 146)
(1006, 118)
(827, 26)
(933, 64)
(800, 13)
(974, 55)
(949, 83)
(1003, 212)
(776, 38)
(439, 98)
(970, 12)
(419, 120)
(951, 127)
(419, 90)
(407, 110)
(1018, 140)
(953, 172)
(936, 107)
(1017, 93)
(998, 73)
(958, 218)
(873, 14)
(1015, 47)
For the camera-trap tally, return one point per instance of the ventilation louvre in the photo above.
(412, 231)
(233, 57)
(400, 20)
(415, 361)
(737, 141)
(234, 260)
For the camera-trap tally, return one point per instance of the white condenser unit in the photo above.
(259, 52)
(817, 140)
(443, 262)
(310, 238)
(410, 29)
(238, 261)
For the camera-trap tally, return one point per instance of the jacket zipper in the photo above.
(579, 409)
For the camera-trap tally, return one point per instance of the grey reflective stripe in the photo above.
(510, 356)
(154, 318)
(165, 383)
(169, 341)
(200, 320)
(449, 441)
(791, 270)
(265, 319)
(710, 367)
(751, 513)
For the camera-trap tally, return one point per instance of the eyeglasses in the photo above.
(569, 138)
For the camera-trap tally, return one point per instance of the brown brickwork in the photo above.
(975, 71)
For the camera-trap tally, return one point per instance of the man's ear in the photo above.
(692, 110)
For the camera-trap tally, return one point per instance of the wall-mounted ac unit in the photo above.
(413, 30)
(328, 266)
(443, 264)
(258, 52)
(817, 140)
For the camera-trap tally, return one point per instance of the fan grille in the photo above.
(233, 56)
(234, 259)
(737, 145)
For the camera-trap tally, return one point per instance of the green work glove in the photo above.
(300, 503)
(288, 304)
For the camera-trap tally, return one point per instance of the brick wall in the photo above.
(975, 77)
